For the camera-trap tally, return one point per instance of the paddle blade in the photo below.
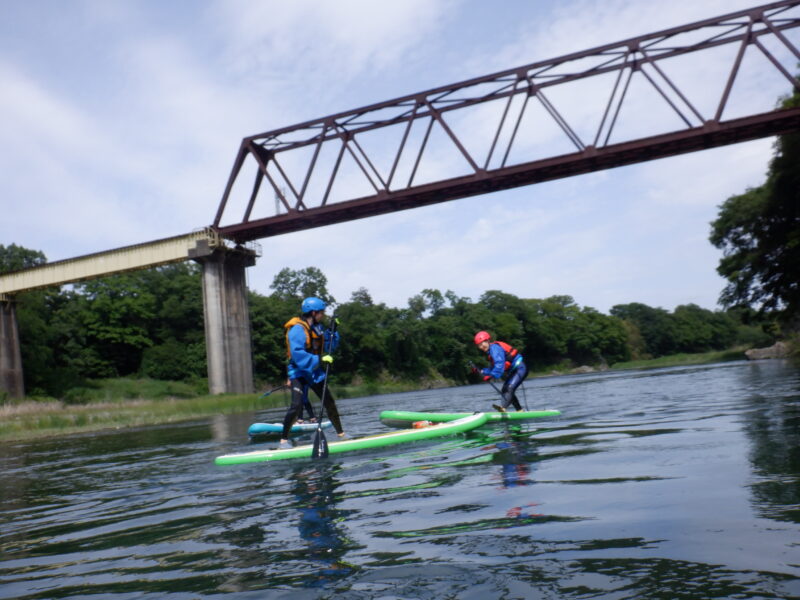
(320, 449)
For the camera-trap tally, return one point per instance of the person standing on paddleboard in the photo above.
(505, 362)
(308, 346)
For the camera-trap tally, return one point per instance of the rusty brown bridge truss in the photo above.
(511, 128)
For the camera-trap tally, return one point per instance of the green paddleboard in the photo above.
(372, 441)
(404, 418)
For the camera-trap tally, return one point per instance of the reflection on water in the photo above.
(320, 523)
(676, 483)
(773, 426)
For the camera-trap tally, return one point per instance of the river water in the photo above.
(673, 483)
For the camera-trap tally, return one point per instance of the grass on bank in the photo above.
(116, 403)
(122, 402)
(678, 360)
(32, 418)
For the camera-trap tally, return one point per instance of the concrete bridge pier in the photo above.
(227, 320)
(11, 381)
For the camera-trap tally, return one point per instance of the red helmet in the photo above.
(481, 336)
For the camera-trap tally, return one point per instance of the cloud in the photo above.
(55, 162)
(309, 48)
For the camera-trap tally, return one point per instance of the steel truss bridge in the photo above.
(551, 119)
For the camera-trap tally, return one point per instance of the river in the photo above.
(672, 483)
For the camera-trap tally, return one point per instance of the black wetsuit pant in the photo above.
(511, 384)
(296, 408)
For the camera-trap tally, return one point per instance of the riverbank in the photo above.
(31, 418)
(679, 360)
(117, 403)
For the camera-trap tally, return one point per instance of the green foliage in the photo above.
(701, 330)
(654, 332)
(173, 360)
(14, 258)
(369, 327)
(361, 296)
(115, 320)
(759, 234)
(296, 285)
(267, 316)
(149, 324)
(654, 324)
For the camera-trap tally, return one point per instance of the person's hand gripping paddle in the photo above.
(488, 379)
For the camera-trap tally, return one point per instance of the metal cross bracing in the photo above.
(648, 97)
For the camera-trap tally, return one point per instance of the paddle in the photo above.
(320, 449)
(267, 393)
(496, 389)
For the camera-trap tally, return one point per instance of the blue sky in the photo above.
(120, 120)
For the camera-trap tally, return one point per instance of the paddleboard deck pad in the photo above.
(372, 441)
(404, 418)
(277, 428)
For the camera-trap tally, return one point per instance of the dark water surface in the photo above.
(674, 483)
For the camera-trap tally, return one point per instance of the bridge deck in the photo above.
(100, 264)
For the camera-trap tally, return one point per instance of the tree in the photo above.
(759, 234)
(176, 328)
(291, 284)
(267, 317)
(38, 338)
(656, 326)
(417, 306)
(116, 315)
(362, 296)
(363, 348)
(596, 337)
(700, 330)
(500, 302)
(14, 258)
(547, 325)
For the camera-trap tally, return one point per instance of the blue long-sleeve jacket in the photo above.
(306, 364)
(498, 357)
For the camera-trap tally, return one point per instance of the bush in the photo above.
(172, 361)
(753, 337)
(78, 395)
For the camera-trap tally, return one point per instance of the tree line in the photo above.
(150, 323)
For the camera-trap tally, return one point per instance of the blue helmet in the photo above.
(312, 303)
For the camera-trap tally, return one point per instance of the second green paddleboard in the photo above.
(404, 418)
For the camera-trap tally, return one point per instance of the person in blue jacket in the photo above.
(308, 346)
(505, 362)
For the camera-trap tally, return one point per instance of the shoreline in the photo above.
(32, 419)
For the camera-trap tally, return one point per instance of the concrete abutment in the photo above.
(227, 320)
(11, 380)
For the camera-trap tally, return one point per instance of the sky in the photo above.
(120, 121)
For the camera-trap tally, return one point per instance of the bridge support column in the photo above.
(227, 320)
(11, 381)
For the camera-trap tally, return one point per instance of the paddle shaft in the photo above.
(320, 442)
(497, 389)
(267, 393)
